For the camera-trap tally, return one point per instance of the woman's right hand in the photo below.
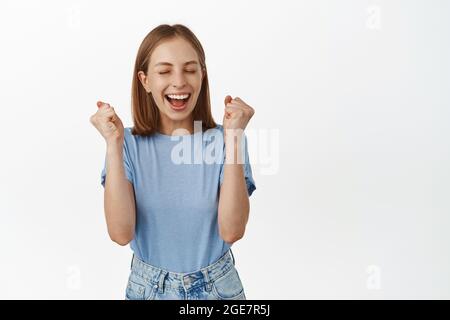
(108, 123)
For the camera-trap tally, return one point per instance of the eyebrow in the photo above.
(169, 64)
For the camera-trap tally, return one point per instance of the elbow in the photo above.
(231, 237)
(121, 239)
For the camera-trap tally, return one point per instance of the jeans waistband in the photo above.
(160, 278)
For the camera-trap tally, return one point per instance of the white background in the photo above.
(358, 91)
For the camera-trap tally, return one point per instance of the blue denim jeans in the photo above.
(218, 281)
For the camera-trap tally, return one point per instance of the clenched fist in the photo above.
(237, 114)
(108, 123)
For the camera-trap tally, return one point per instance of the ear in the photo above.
(144, 81)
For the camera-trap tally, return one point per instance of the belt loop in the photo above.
(207, 281)
(162, 277)
(232, 256)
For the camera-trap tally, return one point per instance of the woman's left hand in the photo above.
(237, 114)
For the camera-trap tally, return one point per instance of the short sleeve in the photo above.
(248, 174)
(127, 166)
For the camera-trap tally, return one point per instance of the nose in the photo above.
(178, 81)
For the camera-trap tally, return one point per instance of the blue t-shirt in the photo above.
(177, 196)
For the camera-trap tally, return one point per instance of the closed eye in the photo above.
(188, 71)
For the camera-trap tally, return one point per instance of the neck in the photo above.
(168, 126)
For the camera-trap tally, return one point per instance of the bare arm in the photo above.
(119, 202)
(234, 204)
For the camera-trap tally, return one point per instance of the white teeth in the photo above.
(180, 97)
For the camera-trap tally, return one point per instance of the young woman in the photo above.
(180, 211)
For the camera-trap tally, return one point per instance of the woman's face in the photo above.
(174, 78)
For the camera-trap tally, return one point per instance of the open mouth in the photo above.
(178, 101)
